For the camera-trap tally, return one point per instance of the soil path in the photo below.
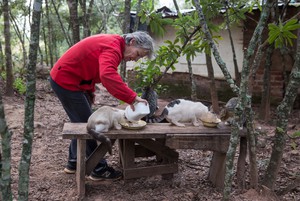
(49, 155)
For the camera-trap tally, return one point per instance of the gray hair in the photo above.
(143, 40)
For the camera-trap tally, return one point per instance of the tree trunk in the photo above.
(74, 21)
(85, 25)
(50, 36)
(265, 98)
(212, 84)
(283, 112)
(9, 71)
(2, 68)
(86, 17)
(236, 67)
(67, 37)
(5, 156)
(215, 51)
(125, 29)
(29, 103)
(245, 103)
(20, 37)
(137, 18)
(192, 80)
(45, 38)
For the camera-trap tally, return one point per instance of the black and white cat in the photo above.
(103, 119)
(182, 111)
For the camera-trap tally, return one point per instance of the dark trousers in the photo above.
(78, 108)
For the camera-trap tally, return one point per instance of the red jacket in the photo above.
(93, 60)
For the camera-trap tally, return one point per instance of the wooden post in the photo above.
(217, 169)
(80, 173)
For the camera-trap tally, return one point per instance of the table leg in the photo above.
(217, 169)
(80, 171)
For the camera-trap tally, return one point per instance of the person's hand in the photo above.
(138, 100)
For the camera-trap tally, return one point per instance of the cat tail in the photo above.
(101, 138)
(158, 119)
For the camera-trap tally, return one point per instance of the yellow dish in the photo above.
(210, 124)
(134, 125)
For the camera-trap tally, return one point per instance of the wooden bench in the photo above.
(160, 139)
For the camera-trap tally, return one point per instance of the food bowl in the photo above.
(141, 110)
(210, 120)
(210, 124)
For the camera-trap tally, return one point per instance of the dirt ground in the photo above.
(50, 151)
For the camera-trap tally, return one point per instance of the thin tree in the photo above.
(236, 67)
(86, 17)
(49, 38)
(2, 67)
(67, 37)
(188, 58)
(244, 104)
(212, 83)
(8, 57)
(5, 156)
(137, 17)
(74, 20)
(29, 103)
(283, 112)
(125, 29)
(20, 37)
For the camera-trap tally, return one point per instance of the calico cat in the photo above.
(180, 110)
(103, 119)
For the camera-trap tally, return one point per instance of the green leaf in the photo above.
(296, 134)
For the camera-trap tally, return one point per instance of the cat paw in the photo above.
(179, 124)
(118, 127)
(196, 124)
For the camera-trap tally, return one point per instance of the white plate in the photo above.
(134, 125)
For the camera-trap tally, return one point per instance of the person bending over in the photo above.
(92, 60)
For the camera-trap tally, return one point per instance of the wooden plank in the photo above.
(158, 148)
(208, 142)
(96, 156)
(121, 148)
(155, 130)
(138, 172)
(80, 172)
(141, 151)
(128, 154)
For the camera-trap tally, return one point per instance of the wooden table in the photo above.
(160, 139)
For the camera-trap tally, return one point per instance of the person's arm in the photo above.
(110, 78)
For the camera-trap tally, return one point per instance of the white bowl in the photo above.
(140, 110)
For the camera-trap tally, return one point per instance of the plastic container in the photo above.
(141, 110)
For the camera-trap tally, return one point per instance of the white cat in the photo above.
(180, 111)
(103, 119)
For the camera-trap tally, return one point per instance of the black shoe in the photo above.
(70, 168)
(105, 173)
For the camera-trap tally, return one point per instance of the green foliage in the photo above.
(281, 34)
(19, 85)
(3, 75)
(279, 130)
(295, 136)
(254, 4)
(155, 21)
